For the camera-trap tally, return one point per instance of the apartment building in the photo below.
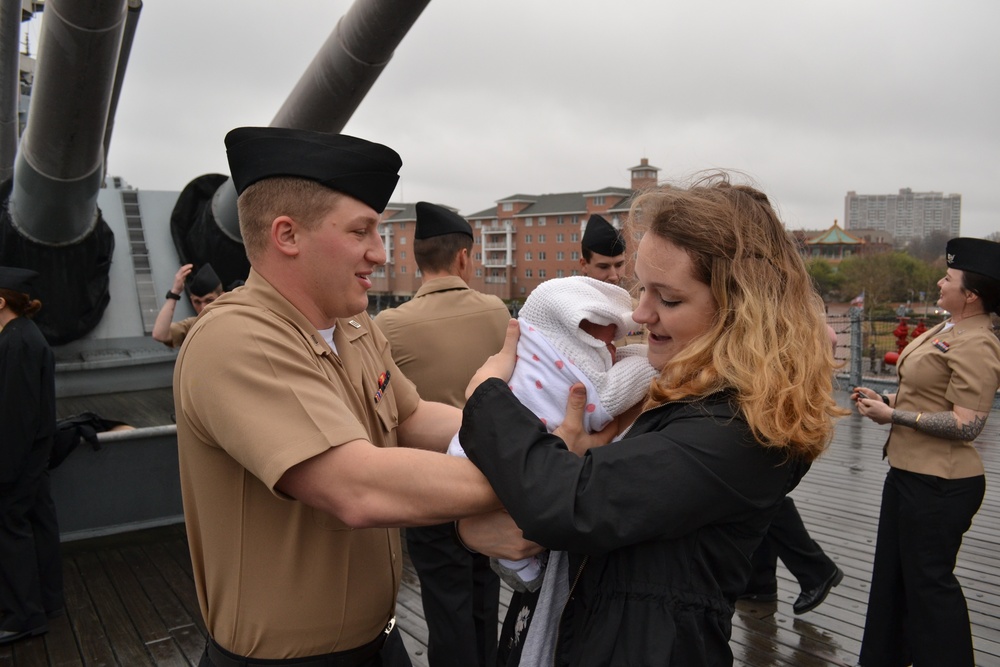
(905, 216)
(521, 241)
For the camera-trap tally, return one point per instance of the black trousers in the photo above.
(460, 595)
(31, 576)
(788, 539)
(393, 654)
(916, 609)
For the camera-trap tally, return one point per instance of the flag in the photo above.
(859, 300)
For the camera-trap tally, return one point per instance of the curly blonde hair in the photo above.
(769, 344)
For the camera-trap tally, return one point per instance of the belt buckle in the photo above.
(389, 626)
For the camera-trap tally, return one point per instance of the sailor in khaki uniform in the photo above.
(439, 339)
(603, 258)
(948, 378)
(291, 417)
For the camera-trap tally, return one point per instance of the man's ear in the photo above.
(285, 235)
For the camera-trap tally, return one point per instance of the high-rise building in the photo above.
(906, 216)
(521, 241)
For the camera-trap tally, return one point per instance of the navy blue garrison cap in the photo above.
(16, 279)
(601, 237)
(434, 220)
(362, 169)
(975, 255)
(205, 281)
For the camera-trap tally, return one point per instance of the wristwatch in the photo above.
(174, 296)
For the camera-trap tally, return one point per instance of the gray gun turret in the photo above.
(51, 222)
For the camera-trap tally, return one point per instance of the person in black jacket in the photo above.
(30, 566)
(662, 523)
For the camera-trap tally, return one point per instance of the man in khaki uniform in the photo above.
(289, 412)
(603, 258)
(204, 288)
(439, 340)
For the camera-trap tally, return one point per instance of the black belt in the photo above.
(354, 657)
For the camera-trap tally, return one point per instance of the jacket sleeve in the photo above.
(701, 466)
(20, 402)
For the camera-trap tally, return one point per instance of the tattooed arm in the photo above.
(957, 424)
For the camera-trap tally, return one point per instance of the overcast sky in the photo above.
(487, 99)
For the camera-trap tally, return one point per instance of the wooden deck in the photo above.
(131, 600)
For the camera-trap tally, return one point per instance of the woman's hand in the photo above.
(501, 364)
(495, 534)
(871, 405)
(571, 430)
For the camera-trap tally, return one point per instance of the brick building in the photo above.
(521, 241)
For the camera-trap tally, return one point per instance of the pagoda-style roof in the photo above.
(836, 235)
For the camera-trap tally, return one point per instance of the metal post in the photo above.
(856, 358)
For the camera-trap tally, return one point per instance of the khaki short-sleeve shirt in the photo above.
(443, 335)
(179, 330)
(257, 390)
(937, 371)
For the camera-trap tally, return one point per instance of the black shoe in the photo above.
(10, 636)
(759, 597)
(809, 600)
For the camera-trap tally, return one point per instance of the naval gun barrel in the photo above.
(60, 164)
(324, 99)
(10, 24)
(49, 218)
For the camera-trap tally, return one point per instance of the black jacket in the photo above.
(661, 524)
(27, 398)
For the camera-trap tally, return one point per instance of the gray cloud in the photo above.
(485, 99)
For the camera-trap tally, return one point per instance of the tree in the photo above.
(890, 277)
(930, 247)
(825, 277)
(993, 236)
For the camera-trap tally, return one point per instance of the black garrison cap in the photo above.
(204, 281)
(362, 169)
(434, 220)
(601, 237)
(974, 255)
(17, 280)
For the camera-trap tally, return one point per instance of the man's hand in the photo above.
(571, 430)
(180, 277)
(501, 364)
(495, 534)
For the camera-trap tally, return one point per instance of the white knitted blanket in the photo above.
(553, 353)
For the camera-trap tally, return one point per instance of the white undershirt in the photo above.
(327, 335)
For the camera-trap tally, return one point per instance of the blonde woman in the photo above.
(662, 525)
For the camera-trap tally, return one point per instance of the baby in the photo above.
(567, 329)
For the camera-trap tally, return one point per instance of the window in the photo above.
(575, 255)
(528, 223)
(560, 273)
(527, 238)
(560, 238)
(527, 256)
(574, 237)
(527, 273)
(541, 273)
(402, 254)
(508, 206)
(599, 200)
(541, 254)
(402, 269)
(402, 240)
(541, 222)
(560, 255)
(559, 220)
(541, 238)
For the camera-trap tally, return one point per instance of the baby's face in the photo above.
(602, 332)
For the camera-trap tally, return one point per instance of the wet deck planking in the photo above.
(131, 600)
